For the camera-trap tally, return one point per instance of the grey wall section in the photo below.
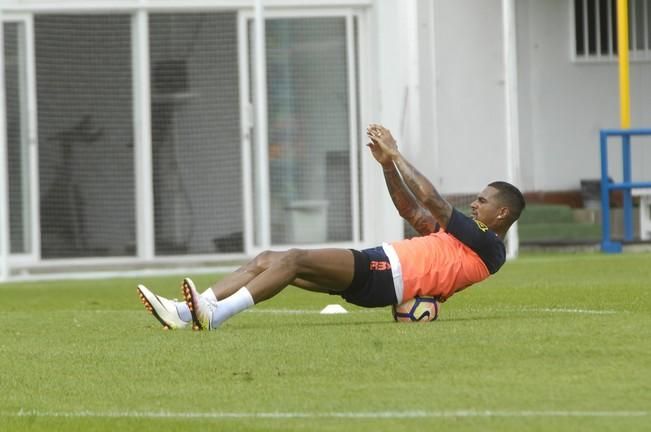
(564, 104)
(470, 89)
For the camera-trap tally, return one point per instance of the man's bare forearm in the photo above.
(423, 190)
(404, 201)
(431, 206)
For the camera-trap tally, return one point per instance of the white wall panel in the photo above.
(470, 88)
(564, 104)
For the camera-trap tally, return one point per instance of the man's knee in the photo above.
(290, 258)
(262, 261)
(293, 258)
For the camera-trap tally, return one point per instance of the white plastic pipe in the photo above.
(511, 116)
(261, 128)
(142, 132)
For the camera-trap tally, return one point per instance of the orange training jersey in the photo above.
(445, 262)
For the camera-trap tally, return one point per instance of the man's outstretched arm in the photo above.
(422, 189)
(419, 218)
(404, 201)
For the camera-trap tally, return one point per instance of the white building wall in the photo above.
(433, 72)
(452, 120)
(564, 104)
(440, 68)
(460, 139)
(470, 94)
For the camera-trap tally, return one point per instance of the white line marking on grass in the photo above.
(283, 311)
(577, 311)
(311, 415)
(297, 311)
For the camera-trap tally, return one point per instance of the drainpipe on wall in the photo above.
(512, 118)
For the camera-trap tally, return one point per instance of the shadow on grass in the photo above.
(380, 322)
(491, 318)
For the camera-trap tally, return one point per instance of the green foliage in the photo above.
(548, 333)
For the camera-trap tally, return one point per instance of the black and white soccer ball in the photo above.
(418, 309)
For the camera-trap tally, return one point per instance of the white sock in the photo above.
(228, 307)
(183, 309)
(209, 295)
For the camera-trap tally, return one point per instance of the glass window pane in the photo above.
(309, 130)
(578, 27)
(637, 24)
(85, 117)
(592, 28)
(647, 23)
(196, 133)
(604, 22)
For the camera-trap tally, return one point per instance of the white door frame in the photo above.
(247, 116)
(4, 176)
(31, 173)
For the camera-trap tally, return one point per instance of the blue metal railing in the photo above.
(607, 244)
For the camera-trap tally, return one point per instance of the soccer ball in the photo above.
(421, 309)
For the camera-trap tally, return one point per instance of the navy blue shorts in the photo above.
(372, 284)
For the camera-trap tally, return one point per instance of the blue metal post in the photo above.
(606, 244)
(626, 186)
(628, 200)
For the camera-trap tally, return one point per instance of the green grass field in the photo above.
(553, 342)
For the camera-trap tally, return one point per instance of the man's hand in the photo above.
(383, 146)
(385, 150)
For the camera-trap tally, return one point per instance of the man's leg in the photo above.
(243, 275)
(309, 269)
(174, 315)
(228, 285)
(331, 268)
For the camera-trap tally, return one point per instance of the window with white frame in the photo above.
(595, 29)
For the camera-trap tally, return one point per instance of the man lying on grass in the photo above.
(452, 252)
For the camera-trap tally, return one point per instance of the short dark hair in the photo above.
(511, 197)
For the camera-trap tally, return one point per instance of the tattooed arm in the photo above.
(404, 201)
(426, 196)
(408, 208)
